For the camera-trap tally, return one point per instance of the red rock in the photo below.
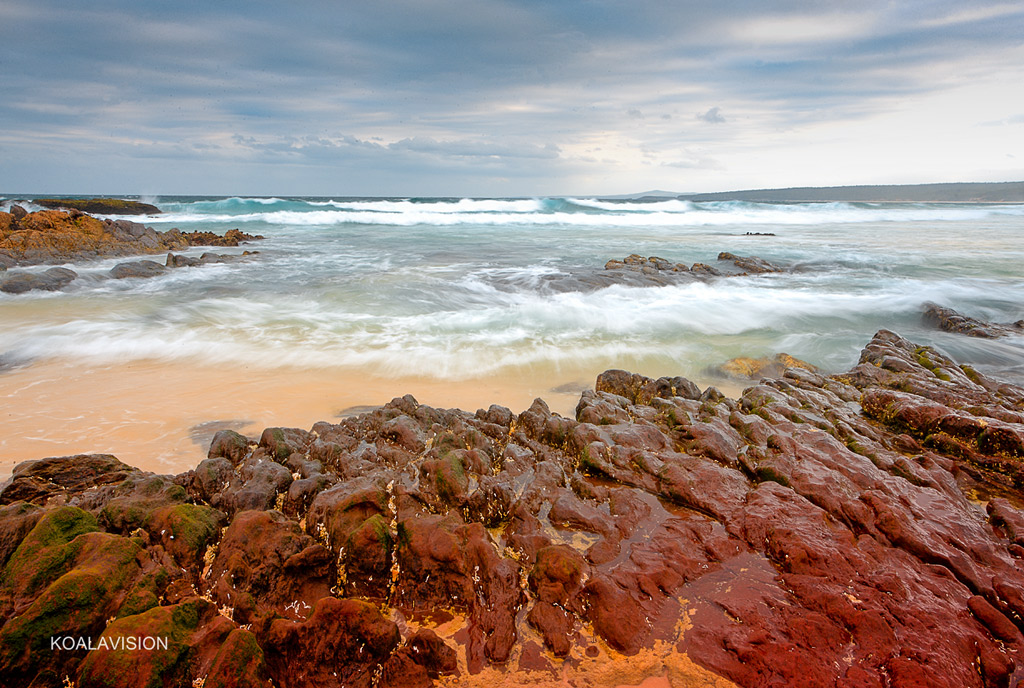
(264, 562)
(340, 644)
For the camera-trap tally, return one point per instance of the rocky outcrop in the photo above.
(636, 270)
(99, 206)
(951, 321)
(53, 236)
(728, 265)
(864, 529)
(232, 237)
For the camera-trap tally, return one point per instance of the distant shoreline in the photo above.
(965, 192)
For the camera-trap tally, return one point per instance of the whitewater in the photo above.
(458, 288)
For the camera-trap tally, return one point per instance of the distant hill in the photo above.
(997, 192)
(645, 195)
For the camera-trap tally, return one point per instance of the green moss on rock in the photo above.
(46, 552)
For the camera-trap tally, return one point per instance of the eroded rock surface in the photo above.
(864, 529)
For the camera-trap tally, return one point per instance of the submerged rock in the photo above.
(137, 268)
(53, 279)
(859, 529)
(951, 321)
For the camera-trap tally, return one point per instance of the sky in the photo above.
(505, 98)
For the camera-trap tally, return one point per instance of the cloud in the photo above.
(712, 116)
(463, 94)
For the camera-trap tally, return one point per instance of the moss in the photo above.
(588, 464)
(450, 478)
(403, 536)
(380, 531)
(770, 474)
(238, 662)
(446, 442)
(47, 551)
(925, 362)
(971, 374)
(77, 601)
(145, 594)
(281, 449)
(192, 526)
(150, 669)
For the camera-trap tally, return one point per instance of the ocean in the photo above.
(460, 291)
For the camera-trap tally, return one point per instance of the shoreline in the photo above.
(515, 549)
(160, 416)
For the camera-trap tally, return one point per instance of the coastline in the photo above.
(160, 416)
(669, 535)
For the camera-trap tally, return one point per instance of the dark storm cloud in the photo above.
(484, 91)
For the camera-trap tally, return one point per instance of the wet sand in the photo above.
(160, 415)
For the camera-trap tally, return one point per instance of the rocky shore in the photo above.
(862, 529)
(49, 237)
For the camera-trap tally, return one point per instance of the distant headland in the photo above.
(974, 192)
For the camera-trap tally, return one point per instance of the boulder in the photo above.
(137, 268)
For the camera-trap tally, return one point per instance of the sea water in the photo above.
(457, 289)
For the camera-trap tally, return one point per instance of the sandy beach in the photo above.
(160, 416)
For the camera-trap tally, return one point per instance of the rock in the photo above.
(230, 445)
(137, 268)
(64, 476)
(705, 270)
(816, 531)
(174, 261)
(641, 390)
(760, 368)
(48, 280)
(751, 265)
(232, 237)
(341, 643)
(101, 206)
(54, 236)
(951, 321)
(66, 579)
(16, 521)
(177, 261)
(17, 212)
(193, 634)
(637, 270)
(264, 562)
